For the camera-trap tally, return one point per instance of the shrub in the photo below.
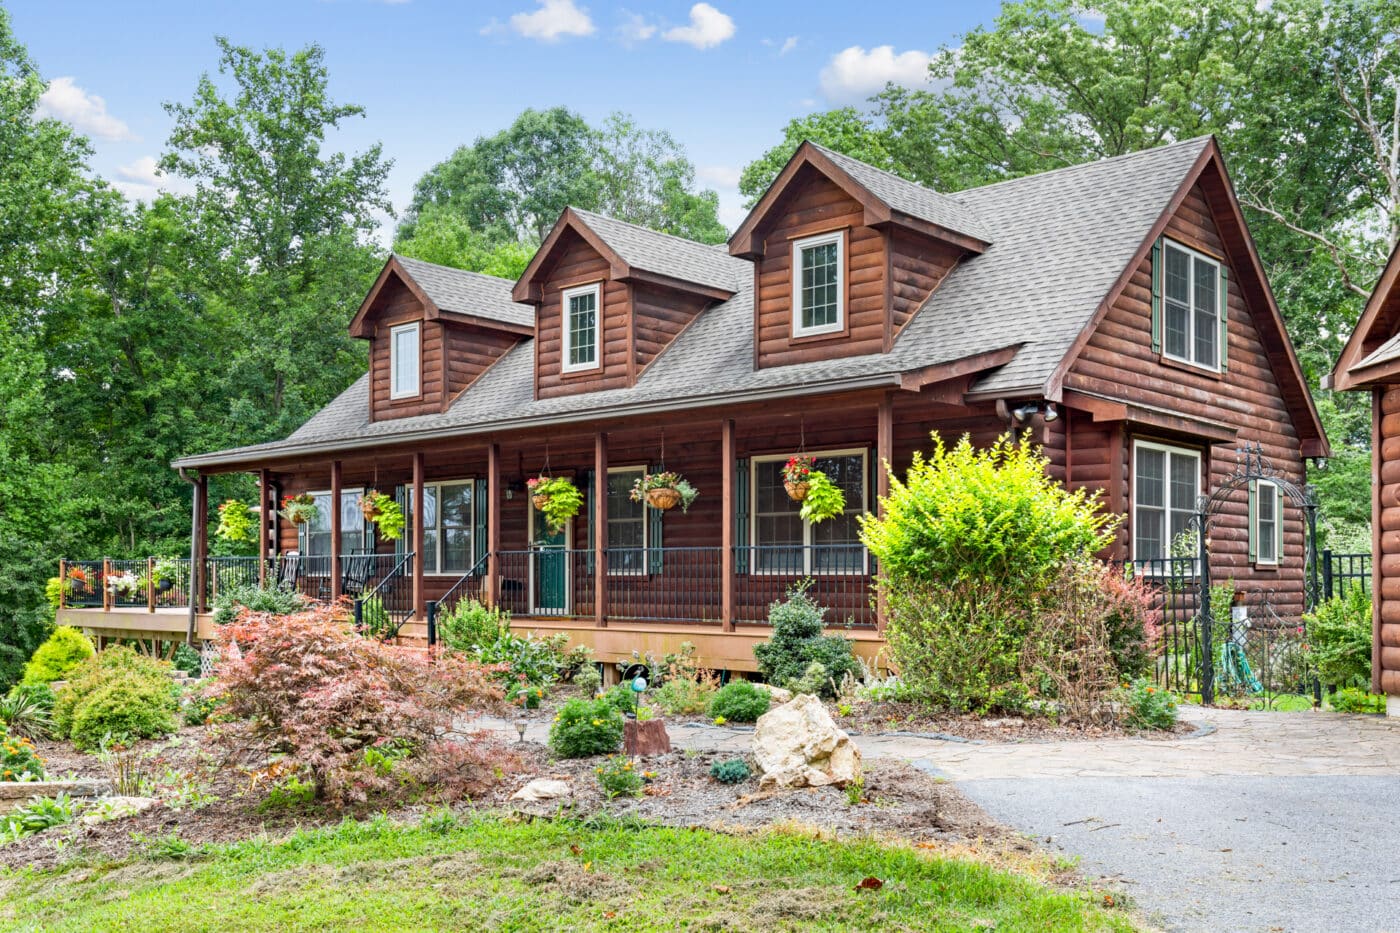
(730, 771)
(740, 701)
(270, 599)
(618, 778)
(27, 711)
(470, 625)
(306, 686)
(117, 691)
(18, 759)
(621, 698)
(60, 653)
(797, 641)
(199, 706)
(526, 665)
(1356, 700)
(814, 680)
(583, 728)
(1147, 706)
(589, 679)
(186, 658)
(687, 696)
(1339, 639)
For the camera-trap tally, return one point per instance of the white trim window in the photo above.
(314, 537)
(819, 284)
(783, 542)
(405, 360)
(1267, 526)
(1191, 306)
(448, 526)
(581, 323)
(627, 523)
(1166, 485)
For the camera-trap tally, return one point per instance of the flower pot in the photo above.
(663, 497)
(796, 491)
(540, 500)
(164, 586)
(299, 514)
(370, 511)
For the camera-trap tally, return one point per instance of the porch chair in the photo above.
(355, 574)
(289, 571)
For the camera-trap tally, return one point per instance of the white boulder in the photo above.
(543, 789)
(798, 745)
(778, 694)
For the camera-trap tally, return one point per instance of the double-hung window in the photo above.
(316, 534)
(405, 360)
(1265, 533)
(1166, 485)
(581, 324)
(1191, 306)
(447, 526)
(627, 523)
(784, 543)
(819, 284)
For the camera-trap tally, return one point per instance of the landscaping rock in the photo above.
(543, 789)
(798, 745)
(778, 694)
(17, 793)
(645, 738)
(115, 808)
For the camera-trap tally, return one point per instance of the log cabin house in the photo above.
(1370, 362)
(1117, 310)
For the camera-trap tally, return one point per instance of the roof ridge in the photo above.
(1122, 157)
(438, 265)
(882, 171)
(585, 213)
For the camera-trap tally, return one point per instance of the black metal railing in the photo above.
(229, 573)
(1341, 572)
(385, 601)
(670, 584)
(84, 584)
(1175, 584)
(841, 575)
(468, 586)
(546, 582)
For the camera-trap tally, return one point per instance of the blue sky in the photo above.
(723, 77)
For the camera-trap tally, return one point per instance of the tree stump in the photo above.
(645, 738)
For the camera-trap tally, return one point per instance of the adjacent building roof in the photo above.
(1057, 245)
(1372, 353)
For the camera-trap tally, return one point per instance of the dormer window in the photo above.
(819, 285)
(405, 360)
(1192, 290)
(581, 327)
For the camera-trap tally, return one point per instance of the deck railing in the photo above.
(552, 582)
(385, 601)
(840, 576)
(1341, 572)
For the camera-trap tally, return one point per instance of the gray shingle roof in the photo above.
(911, 197)
(1059, 242)
(468, 292)
(664, 254)
(1383, 354)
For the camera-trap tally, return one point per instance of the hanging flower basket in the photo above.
(384, 512)
(299, 509)
(797, 477)
(369, 505)
(540, 501)
(557, 498)
(664, 491)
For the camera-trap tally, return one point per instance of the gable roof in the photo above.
(638, 253)
(469, 297)
(1057, 244)
(1372, 352)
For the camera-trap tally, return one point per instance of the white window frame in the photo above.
(807, 543)
(1259, 487)
(839, 238)
(395, 392)
(1170, 451)
(471, 525)
(369, 538)
(645, 569)
(1196, 256)
(565, 328)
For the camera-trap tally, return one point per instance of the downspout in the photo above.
(194, 552)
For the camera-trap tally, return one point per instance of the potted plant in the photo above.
(824, 499)
(557, 497)
(121, 583)
(797, 476)
(236, 525)
(664, 490)
(166, 574)
(299, 509)
(384, 512)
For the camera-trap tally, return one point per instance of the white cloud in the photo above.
(855, 73)
(719, 176)
(708, 27)
(64, 100)
(634, 29)
(789, 44)
(553, 20)
(143, 180)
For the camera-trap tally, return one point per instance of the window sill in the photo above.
(821, 337)
(1172, 362)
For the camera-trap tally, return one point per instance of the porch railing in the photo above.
(840, 573)
(672, 584)
(468, 586)
(555, 582)
(385, 602)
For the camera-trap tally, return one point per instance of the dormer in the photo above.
(610, 296)
(844, 255)
(432, 331)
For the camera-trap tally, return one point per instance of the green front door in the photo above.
(549, 568)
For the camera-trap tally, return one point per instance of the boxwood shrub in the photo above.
(583, 728)
(740, 701)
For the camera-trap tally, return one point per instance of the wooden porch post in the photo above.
(264, 523)
(106, 590)
(150, 584)
(335, 530)
(492, 593)
(600, 529)
(63, 577)
(420, 603)
(199, 548)
(884, 452)
(726, 536)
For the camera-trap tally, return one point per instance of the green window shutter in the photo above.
(585, 479)
(480, 507)
(1157, 272)
(654, 542)
(1253, 520)
(1224, 318)
(741, 515)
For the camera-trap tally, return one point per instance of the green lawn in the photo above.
(488, 874)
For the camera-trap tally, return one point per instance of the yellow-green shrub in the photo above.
(60, 653)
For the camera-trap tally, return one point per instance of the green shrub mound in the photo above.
(60, 653)
(740, 701)
(730, 771)
(797, 642)
(1147, 706)
(1356, 700)
(120, 694)
(271, 599)
(1339, 639)
(584, 728)
(588, 679)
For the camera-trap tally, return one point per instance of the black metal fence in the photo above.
(840, 576)
(1341, 572)
(674, 584)
(1174, 583)
(382, 588)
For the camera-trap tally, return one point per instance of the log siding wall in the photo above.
(575, 264)
(1386, 537)
(397, 305)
